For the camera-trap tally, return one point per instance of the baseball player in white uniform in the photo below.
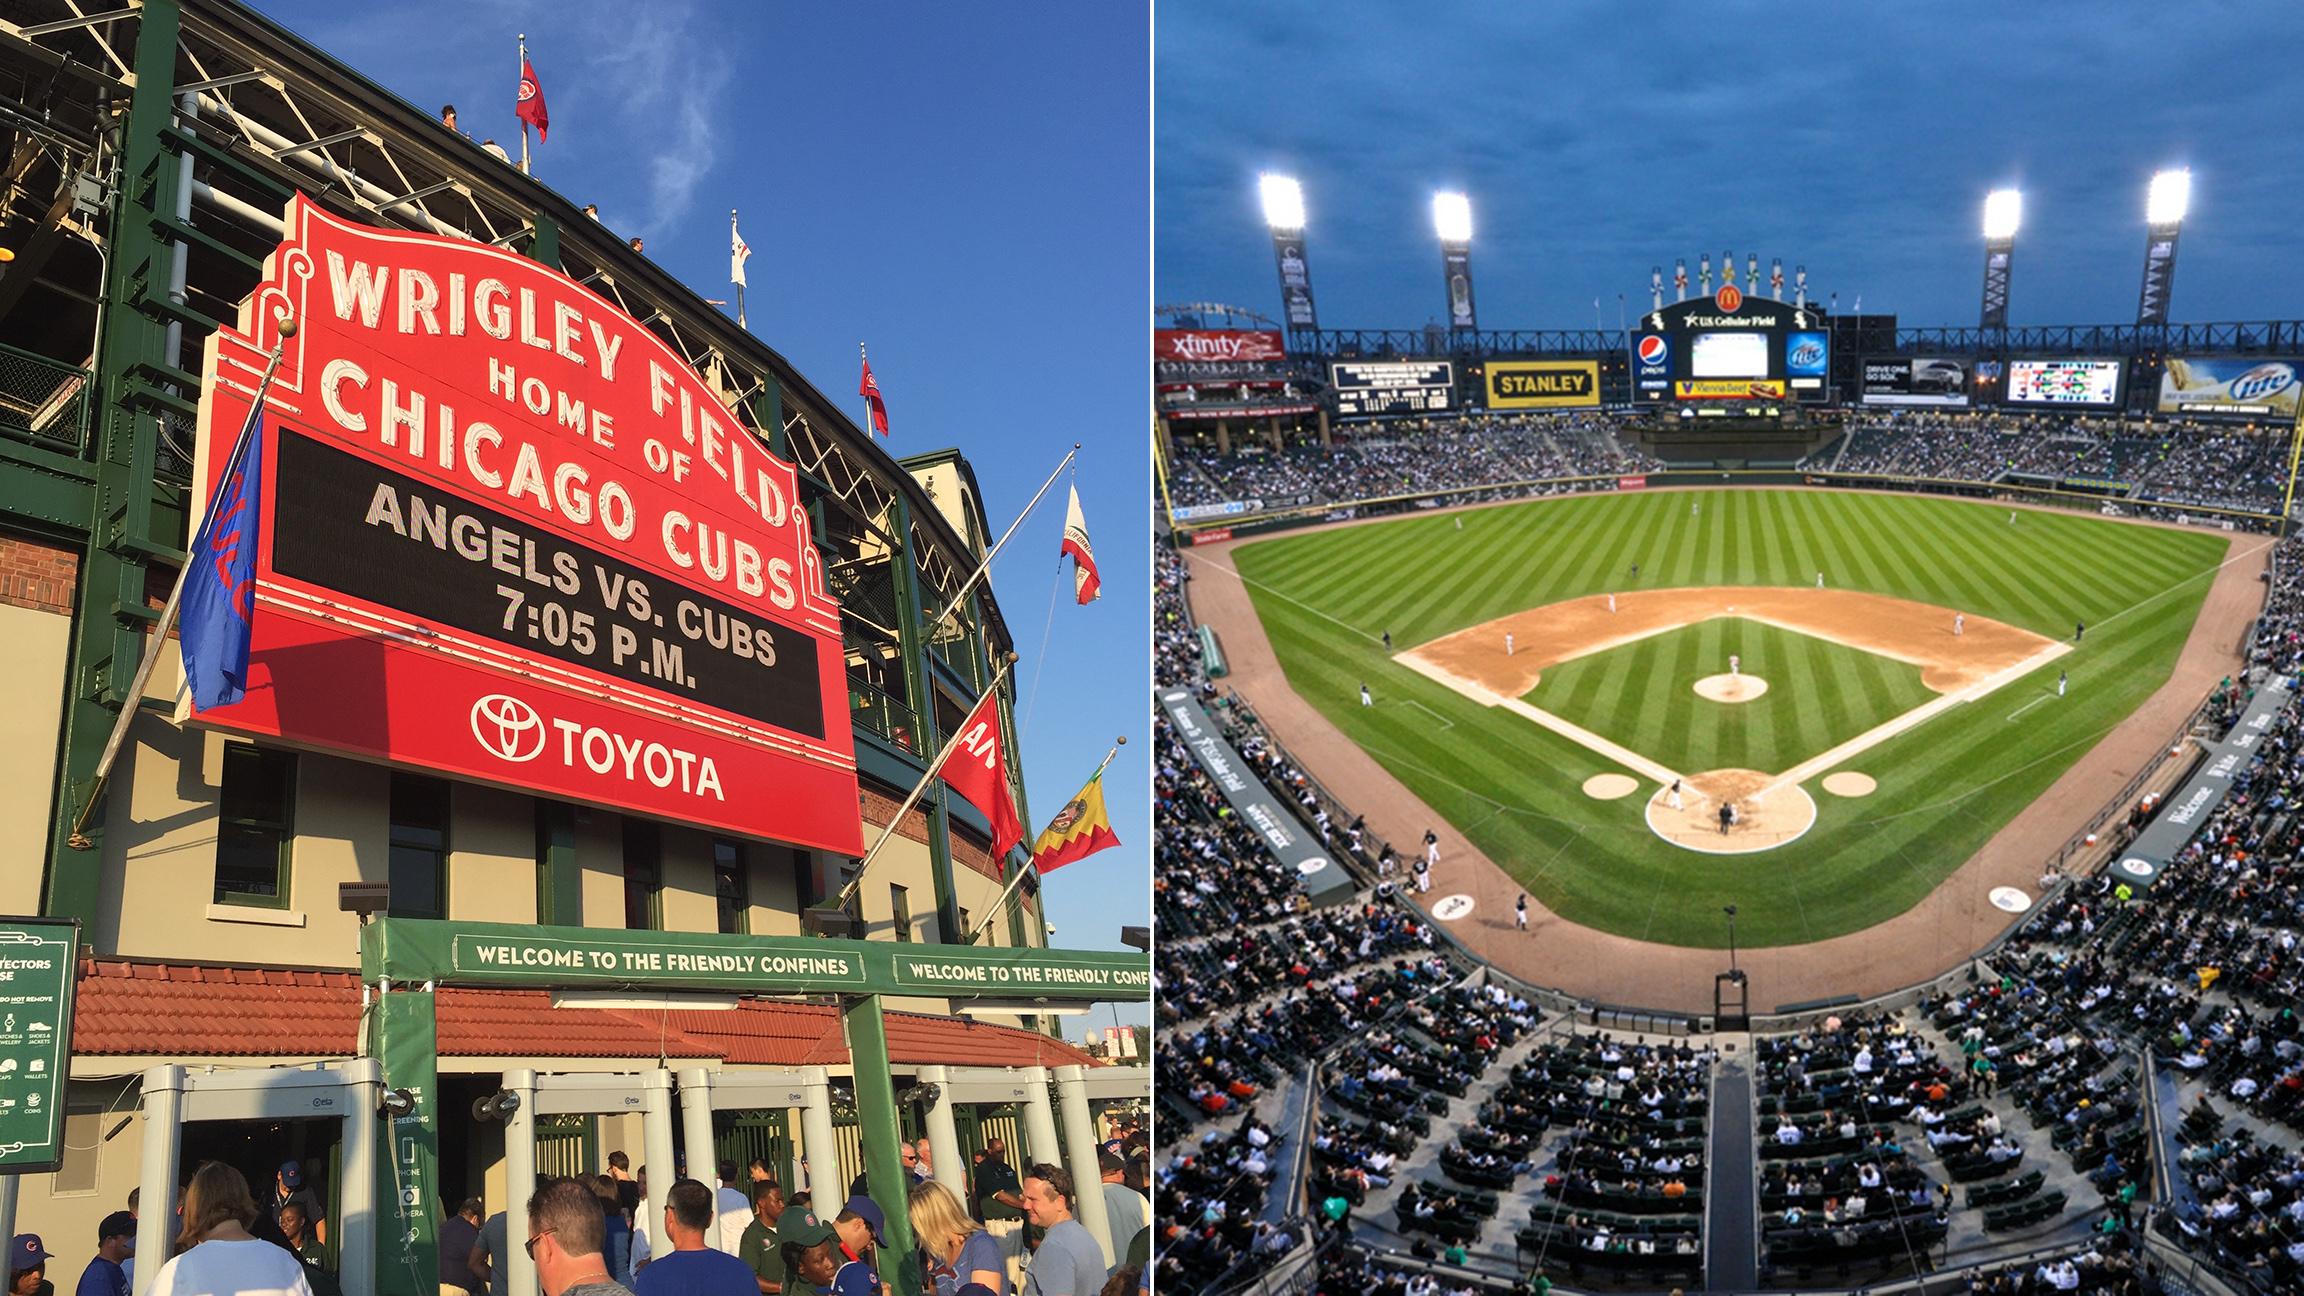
(1959, 623)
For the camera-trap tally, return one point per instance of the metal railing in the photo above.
(870, 709)
(43, 402)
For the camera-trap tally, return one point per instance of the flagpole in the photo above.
(994, 552)
(523, 121)
(78, 839)
(733, 239)
(918, 790)
(1001, 902)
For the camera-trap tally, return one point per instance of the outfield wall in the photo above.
(1215, 530)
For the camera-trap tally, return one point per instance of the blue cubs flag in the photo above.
(220, 590)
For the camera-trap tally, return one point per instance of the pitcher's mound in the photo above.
(1610, 787)
(1731, 688)
(1849, 783)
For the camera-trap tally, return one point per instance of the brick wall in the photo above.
(966, 851)
(38, 574)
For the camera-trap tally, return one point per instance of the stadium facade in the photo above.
(353, 922)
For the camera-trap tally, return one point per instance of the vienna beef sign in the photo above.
(510, 536)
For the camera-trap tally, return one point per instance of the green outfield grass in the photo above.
(1642, 695)
(1515, 789)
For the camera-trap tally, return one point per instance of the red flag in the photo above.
(1085, 582)
(978, 771)
(531, 107)
(869, 389)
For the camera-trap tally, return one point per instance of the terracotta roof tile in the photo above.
(132, 1006)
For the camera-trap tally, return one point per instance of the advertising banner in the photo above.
(1397, 387)
(1295, 280)
(2252, 388)
(38, 964)
(1652, 366)
(516, 954)
(1213, 535)
(1456, 262)
(1916, 380)
(2064, 382)
(510, 536)
(1539, 384)
(1808, 355)
(1729, 389)
(1632, 483)
(1218, 346)
(1324, 880)
(408, 1245)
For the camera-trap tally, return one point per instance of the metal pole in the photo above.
(523, 121)
(943, 1132)
(2295, 447)
(1080, 1149)
(696, 1126)
(656, 1151)
(819, 1145)
(994, 552)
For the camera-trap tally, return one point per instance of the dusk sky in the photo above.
(1597, 141)
(964, 188)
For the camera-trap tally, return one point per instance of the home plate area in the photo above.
(1959, 656)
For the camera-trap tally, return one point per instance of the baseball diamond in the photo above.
(1866, 675)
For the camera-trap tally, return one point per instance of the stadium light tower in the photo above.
(1284, 212)
(2164, 207)
(1452, 220)
(2003, 212)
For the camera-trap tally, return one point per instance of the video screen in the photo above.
(2064, 382)
(1728, 355)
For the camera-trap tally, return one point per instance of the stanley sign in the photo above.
(1533, 384)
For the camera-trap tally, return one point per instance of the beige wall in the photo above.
(33, 646)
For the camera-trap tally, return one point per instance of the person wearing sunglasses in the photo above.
(566, 1234)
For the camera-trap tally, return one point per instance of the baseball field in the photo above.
(1870, 685)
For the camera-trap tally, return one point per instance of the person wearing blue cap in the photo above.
(115, 1242)
(289, 1186)
(28, 1267)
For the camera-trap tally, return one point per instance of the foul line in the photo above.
(1878, 734)
(2029, 705)
(1235, 574)
(1445, 722)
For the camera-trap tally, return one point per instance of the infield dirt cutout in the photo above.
(1771, 809)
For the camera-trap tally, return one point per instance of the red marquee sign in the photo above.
(1218, 346)
(511, 537)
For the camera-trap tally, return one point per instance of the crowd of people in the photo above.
(2021, 1091)
(1412, 456)
(2175, 465)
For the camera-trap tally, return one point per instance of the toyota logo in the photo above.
(508, 728)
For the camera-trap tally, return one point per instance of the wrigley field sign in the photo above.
(410, 949)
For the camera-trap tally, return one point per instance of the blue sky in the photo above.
(1597, 141)
(964, 188)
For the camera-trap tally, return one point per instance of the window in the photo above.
(419, 850)
(643, 875)
(255, 826)
(555, 860)
(900, 905)
(732, 888)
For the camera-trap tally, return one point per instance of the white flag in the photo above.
(738, 253)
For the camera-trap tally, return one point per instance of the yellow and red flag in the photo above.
(1079, 830)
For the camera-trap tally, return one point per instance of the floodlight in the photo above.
(2003, 212)
(1283, 201)
(2171, 194)
(1452, 217)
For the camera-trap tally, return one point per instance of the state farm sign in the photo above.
(511, 537)
(1218, 345)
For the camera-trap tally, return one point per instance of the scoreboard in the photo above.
(1395, 387)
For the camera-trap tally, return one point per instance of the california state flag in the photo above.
(1085, 583)
(978, 771)
(1079, 830)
